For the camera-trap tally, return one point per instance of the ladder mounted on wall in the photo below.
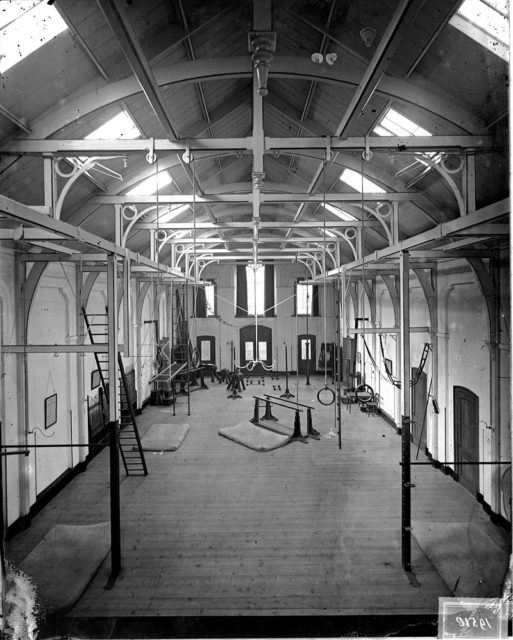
(129, 441)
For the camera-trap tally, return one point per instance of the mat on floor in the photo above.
(65, 561)
(469, 562)
(253, 437)
(164, 437)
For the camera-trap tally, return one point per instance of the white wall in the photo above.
(285, 326)
(465, 358)
(9, 387)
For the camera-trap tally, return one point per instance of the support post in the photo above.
(81, 422)
(405, 422)
(115, 506)
(127, 309)
(256, 412)
(112, 326)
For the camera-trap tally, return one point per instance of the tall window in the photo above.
(206, 301)
(304, 293)
(306, 299)
(210, 299)
(255, 278)
(255, 291)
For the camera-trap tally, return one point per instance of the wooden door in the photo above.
(306, 353)
(418, 410)
(466, 437)
(250, 353)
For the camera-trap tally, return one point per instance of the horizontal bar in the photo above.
(15, 453)
(279, 404)
(374, 330)
(81, 147)
(247, 197)
(456, 464)
(54, 348)
(50, 446)
(291, 401)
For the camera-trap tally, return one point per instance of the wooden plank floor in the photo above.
(219, 530)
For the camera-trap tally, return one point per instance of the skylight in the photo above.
(151, 185)
(486, 22)
(343, 215)
(395, 124)
(25, 27)
(357, 181)
(119, 127)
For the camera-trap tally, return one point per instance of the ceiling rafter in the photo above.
(60, 6)
(132, 51)
(403, 17)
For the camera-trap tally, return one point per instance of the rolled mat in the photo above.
(253, 437)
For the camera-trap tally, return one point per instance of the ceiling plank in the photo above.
(59, 5)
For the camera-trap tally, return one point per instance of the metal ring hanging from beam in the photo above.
(364, 393)
(330, 398)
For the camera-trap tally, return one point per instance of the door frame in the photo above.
(302, 368)
(468, 475)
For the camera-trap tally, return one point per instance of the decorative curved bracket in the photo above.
(446, 174)
(72, 176)
(383, 212)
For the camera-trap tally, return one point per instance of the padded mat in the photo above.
(65, 561)
(469, 562)
(164, 437)
(253, 437)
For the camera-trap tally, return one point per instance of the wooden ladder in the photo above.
(129, 441)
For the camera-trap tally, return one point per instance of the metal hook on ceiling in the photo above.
(151, 156)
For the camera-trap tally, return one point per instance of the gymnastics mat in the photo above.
(253, 437)
(65, 561)
(469, 562)
(164, 437)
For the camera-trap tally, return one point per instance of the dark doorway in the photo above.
(249, 352)
(418, 410)
(466, 437)
(306, 353)
(348, 362)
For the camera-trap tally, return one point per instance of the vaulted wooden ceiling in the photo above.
(256, 169)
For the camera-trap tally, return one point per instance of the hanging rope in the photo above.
(325, 396)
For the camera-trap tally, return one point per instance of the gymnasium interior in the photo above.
(254, 317)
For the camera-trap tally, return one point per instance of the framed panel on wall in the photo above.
(50, 410)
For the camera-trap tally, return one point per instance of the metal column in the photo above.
(112, 325)
(405, 421)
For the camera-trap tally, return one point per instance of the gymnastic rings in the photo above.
(364, 393)
(330, 397)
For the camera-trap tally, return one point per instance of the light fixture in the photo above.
(367, 34)
(331, 58)
(317, 57)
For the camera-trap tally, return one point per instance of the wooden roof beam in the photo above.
(125, 36)
(403, 16)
